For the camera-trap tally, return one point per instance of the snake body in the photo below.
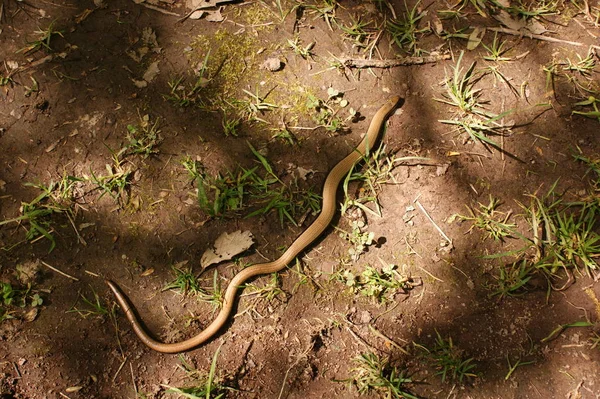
(313, 231)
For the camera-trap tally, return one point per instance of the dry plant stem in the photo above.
(161, 10)
(540, 37)
(313, 231)
(432, 222)
(391, 63)
(59, 272)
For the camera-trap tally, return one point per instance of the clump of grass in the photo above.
(303, 51)
(376, 171)
(512, 279)
(590, 101)
(116, 182)
(203, 385)
(449, 360)
(185, 281)
(43, 41)
(404, 30)
(471, 117)
(489, 219)
(94, 306)
(55, 199)
(359, 32)
(375, 373)
(593, 164)
(324, 9)
(232, 192)
(563, 238)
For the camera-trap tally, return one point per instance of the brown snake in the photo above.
(305, 239)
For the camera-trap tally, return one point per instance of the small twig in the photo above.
(161, 10)
(59, 272)
(432, 222)
(388, 340)
(539, 37)
(390, 63)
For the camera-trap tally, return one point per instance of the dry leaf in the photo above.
(31, 315)
(226, 247)
(505, 19)
(151, 72)
(214, 16)
(475, 38)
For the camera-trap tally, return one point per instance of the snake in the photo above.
(312, 232)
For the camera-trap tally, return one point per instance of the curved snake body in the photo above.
(306, 238)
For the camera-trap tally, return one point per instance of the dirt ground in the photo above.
(79, 80)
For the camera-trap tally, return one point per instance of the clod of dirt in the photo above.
(272, 64)
(28, 272)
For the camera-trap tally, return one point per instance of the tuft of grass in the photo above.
(590, 101)
(184, 95)
(203, 386)
(255, 104)
(471, 117)
(55, 199)
(303, 51)
(513, 279)
(489, 219)
(534, 9)
(375, 373)
(43, 41)
(116, 182)
(185, 281)
(358, 32)
(449, 360)
(324, 9)
(404, 31)
(496, 50)
(94, 306)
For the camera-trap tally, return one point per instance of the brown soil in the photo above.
(303, 342)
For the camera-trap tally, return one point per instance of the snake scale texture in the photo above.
(304, 240)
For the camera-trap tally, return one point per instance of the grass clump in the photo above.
(471, 117)
(43, 40)
(202, 385)
(255, 191)
(375, 373)
(56, 199)
(404, 30)
(448, 360)
(489, 219)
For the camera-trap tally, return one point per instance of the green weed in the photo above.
(378, 285)
(144, 137)
(324, 9)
